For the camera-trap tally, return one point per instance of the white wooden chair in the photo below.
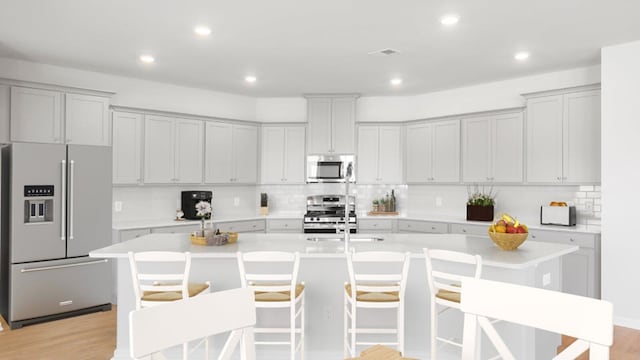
(162, 276)
(273, 277)
(158, 328)
(589, 320)
(444, 287)
(377, 280)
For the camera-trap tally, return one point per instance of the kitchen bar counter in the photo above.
(323, 268)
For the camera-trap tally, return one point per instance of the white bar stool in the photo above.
(273, 276)
(371, 288)
(444, 287)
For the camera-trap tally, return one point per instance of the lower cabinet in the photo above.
(467, 229)
(187, 228)
(419, 226)
(581, 269)
(284, 225)
(375, 225)
(241, 226)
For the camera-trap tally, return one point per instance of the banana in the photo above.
(508, 218)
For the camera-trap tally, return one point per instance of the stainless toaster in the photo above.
(558, 215)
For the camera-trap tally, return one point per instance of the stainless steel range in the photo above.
(325, 214)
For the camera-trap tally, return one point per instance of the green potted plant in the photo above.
(480, 203)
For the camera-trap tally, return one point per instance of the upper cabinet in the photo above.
(563, 138)
(492, 148)
(331, 124)
(173, 150)
(283, 155)
(231, 153)
(433, 152)
(127, 148)
(38, 115)
(379, 158)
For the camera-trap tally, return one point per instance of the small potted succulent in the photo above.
(480, 203)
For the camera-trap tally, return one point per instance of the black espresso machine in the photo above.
(190, 199)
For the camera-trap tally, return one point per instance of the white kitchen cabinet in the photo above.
(468, 229)
(231, 153)
(38, 115)
(433, 152)
(293, 225)
(379, 155)
(331, 125)
(124, 235)
(127, 148)
(492, 148)
(177, 229)
(241, 226)
(375, 225)
(581, 269)
(283, 155)
(563, 138)
(5, 113)
(173, 150)
(421, 226)
(87, 120)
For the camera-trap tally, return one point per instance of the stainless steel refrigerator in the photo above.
(56, 208)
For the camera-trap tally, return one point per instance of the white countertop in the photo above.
(531, 223)
(528, 254)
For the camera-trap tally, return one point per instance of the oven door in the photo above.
(326, 228)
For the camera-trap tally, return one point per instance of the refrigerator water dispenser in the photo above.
(38, 205)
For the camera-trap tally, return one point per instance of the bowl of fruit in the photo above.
(508, 233)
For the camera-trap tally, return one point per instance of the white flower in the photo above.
(203, 208)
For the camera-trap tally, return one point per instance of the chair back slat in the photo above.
(269, 280)
(439, 279)
(584, 318)
(372, 280)
(179, 322)
(269, 277)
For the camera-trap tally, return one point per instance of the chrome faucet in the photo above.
(347, 231)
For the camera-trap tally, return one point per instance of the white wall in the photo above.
(136, 92)
(482, 97)
(620, 179)
(273, 110)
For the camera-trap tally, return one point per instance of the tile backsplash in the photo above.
(523, 201)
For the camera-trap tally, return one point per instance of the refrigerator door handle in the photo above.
(43, 268)
(63, 201)
(71, 185)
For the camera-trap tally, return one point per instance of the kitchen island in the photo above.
(323, 269)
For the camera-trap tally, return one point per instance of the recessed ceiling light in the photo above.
(250, 79)
(449, 19)
(202, 30)
(396, 81)
(147, 59)
(523, 55)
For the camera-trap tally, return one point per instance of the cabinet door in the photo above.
(218, 153)
(507, 150)
(343, 115)
(319, 122)
(476, 149)
(294, 162)
(189, 149)
(446, 151)
(544, 140)
(419, 153)
(36, 115)
(87, 120)
(273, 155)
(245, 152)
(127, 148)
(390, 155)
(368, 151)
(159, 149)
(577, 273)
(581, 145)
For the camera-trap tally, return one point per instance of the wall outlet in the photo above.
(117, 206)
(438, 201)
(236, 201)
(546, 279)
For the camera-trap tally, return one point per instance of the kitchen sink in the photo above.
(340, 239)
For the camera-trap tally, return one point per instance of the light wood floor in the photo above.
(85, 337)
(93, 337)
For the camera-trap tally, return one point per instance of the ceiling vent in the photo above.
(384, 52)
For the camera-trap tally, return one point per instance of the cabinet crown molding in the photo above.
(567, 90)
(351, 95)
(60, 88)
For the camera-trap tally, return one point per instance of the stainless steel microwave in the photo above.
(330, 168)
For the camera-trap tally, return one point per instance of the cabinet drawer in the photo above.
(132, 234)
(53, 287)
(422, 226)
(288, 225)
(375, 224)
(242, 226)
(480, 230)
(559, 237)
(180, 229)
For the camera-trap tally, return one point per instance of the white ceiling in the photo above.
(303, 46)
